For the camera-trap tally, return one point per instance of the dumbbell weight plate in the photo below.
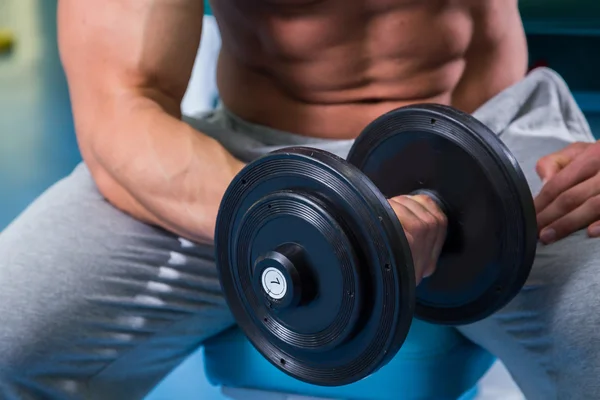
(492, 232)
(315, 266)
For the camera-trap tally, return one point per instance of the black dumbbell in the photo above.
(314, 263)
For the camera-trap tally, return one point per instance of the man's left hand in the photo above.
(570, 197)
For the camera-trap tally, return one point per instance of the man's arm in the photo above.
(128, 63)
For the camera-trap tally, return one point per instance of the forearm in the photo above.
(128, 64)
(158, 169)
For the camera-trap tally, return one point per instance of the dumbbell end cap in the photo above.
(279, 276)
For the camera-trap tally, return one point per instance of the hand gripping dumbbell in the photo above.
(314, 263)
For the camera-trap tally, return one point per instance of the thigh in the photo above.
(95, 304)
(547, 336)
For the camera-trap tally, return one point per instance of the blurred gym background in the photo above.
(37, 141)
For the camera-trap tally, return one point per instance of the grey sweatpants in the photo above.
(96, 305)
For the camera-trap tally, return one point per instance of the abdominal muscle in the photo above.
(327, 68)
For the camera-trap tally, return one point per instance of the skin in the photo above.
(329, 67)
(570, 197)
(321, 68)
(128, 63)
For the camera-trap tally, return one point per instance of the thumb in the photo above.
(550, 165)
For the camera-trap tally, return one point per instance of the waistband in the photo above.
(247, 140)
(535, 106)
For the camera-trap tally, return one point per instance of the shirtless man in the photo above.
(108, 279)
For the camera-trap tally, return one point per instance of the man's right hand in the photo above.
(128, 64)
(425, 227)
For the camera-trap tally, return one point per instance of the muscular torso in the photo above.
(327, 68)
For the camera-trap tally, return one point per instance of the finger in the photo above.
(404, 214)
(441, 221)
(550, 165)
(413, 230)
(426, 202)
(594, 229)
(420, 208)
(413, 218)
(573, 221)
(436, 223)
(427, 234)
(569, 201)
(573, 174)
